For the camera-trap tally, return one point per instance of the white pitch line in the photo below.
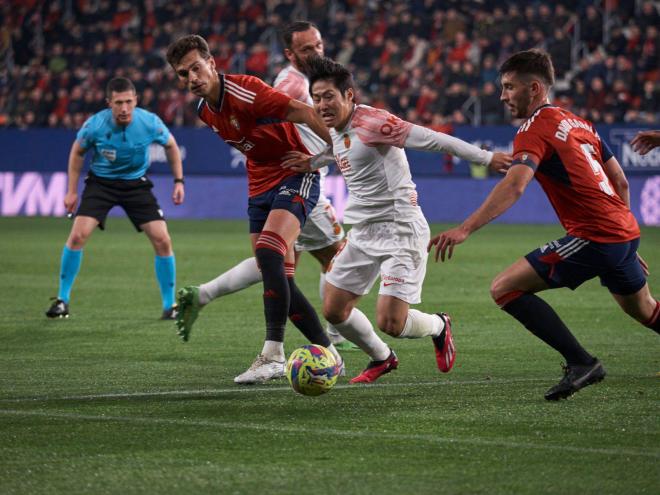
(249, 388)
(219, 425)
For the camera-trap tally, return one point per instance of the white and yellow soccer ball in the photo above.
(312, 370)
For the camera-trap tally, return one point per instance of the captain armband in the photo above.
(524, 160)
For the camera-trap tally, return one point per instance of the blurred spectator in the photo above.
(559, 48)
(592, 28)
(492, 110)
(434, 61)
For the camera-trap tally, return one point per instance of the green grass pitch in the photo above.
(110, 401)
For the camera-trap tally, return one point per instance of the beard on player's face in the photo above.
(302, 63)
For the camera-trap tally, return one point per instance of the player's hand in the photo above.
(645, 141)
(178, 194)
(645, 265)
(500, 163)
(445, 241)
(70, 201)
(297, 161)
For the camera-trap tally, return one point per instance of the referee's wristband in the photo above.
(179, 181)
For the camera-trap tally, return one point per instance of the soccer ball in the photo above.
(312, 370)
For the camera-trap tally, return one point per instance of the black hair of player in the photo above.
(528, 63)
(295, 27)
(180, 48)
(326, 69)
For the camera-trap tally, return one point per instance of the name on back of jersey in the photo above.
(565, 126)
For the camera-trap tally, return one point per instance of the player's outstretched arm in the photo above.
(500, 199)
(424, 139)
(76, 161)
(301, 113)
(645, 141)
(173, 155)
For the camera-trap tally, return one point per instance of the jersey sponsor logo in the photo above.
(243, 145)
(387, 128)
(343, 164)
(108, 154)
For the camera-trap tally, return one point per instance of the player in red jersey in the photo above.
(589, 191)
(258, 121)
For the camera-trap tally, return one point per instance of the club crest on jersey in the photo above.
(347, 141)
(108, 154)
(234, 122)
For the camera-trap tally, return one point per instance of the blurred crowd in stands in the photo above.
(433, 62)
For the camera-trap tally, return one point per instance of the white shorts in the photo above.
(321, 228)
(394, 251)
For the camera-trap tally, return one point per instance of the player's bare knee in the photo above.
(336, 316)
(390, 324)
(77, 240)
(497, 289)
(162, 245)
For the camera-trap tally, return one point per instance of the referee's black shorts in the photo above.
(134, 196)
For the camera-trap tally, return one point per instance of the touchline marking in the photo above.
(219, 425)
(249, 388)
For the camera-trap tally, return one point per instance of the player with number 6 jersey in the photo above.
(589, 191)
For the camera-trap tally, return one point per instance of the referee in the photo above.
(119, 137)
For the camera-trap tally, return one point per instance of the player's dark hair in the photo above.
(118, 85)
(532, 62)
(325, 69)
(180, 48)
(294, 27)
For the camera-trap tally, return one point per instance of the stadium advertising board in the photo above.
(224, 197)
(33, 178)
(205, 154)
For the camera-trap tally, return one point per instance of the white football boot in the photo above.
(262, 370)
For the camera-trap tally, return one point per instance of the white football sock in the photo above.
(358, 329)
(333, 333)
(240, 277)
(420, 324)
(336, 354)
(273, 350)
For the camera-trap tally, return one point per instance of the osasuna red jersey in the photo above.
(571, 173)
(250, 118)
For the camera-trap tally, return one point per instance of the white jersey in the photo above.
(369, 152)
(295, 84)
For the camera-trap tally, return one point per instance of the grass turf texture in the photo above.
(110, 401)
